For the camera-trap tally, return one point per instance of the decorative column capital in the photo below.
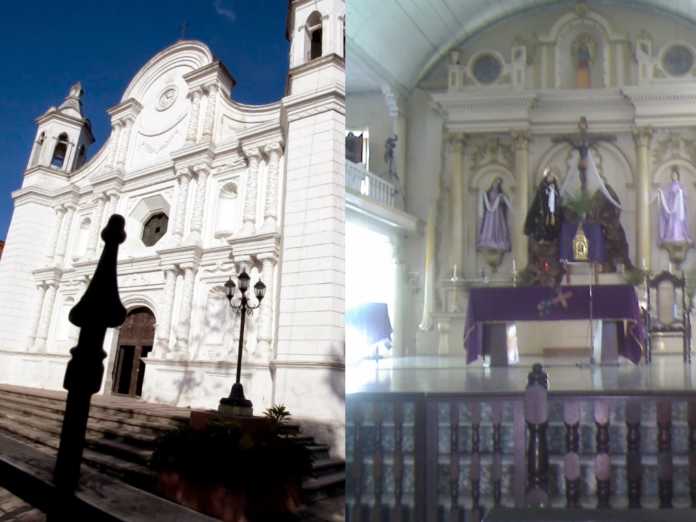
(201, 169)
(253, 154)
(268, 256)
(643, 136)
(211, 88)
(187, 266)
(60, 209)
(195, 93)
(183, 173)
(100, 197)
(457, 141)
(520, 139)
(272, 149)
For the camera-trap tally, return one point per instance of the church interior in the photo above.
(520, 210)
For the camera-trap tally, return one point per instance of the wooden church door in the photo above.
(134, 344)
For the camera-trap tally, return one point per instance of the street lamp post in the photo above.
(236, 403)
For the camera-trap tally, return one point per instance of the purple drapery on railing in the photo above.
(371, 320)
(538, 303)
(593, 231)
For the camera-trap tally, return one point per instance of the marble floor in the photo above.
(451, 374)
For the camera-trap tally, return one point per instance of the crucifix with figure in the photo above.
(582, 141)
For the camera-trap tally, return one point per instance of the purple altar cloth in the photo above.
(372, 320)
(540, 303)
(593, 231)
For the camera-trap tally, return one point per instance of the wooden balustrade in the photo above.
(462, 457)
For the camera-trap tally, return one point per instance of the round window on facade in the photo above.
(155, 227)
(487, 68)
(678, 60)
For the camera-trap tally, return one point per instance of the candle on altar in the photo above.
(514, 266)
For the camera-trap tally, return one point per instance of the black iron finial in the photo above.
(538, 376)
(101, 304)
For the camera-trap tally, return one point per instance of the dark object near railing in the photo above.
(681, 322)
(100, 308)
(537, 414)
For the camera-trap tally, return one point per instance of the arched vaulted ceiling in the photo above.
(397, 42)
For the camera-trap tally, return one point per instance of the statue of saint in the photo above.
(494, 233)
(543, 222)
(583, 54)
(389, 152)
(674, 224)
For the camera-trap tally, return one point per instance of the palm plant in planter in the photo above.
(249, 473)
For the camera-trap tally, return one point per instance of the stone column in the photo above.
(164, 325)
(74, 334)
(116, 138)
(429, 270)
(64, 234)
(37, 315)
(209, 122)
(46, 315)
(270, 212)
(398, 348)
(184, 176)
(643, 138)
(249, 224)
(55, 233)
(123, 142)
(199, 203)
(456, 194)
(520, 141)
(184, 327)
(265, 337)
(192, 131)
(96, 226)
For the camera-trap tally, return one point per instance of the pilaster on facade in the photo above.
(206, 84)
(183, 178)
(270, 212)
(123, 117)
(201, 171)
(253, 154)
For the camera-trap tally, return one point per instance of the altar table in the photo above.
(537, 303)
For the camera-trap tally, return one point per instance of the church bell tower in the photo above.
(63, 135)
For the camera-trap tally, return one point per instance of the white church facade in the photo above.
(209, 188)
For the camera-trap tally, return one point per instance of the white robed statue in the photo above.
(674, 223)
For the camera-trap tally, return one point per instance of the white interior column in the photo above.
(184, 327)
(457, 142)
(192, 131)
(249, 224)
(184, 176)
(199, 203)
(64, 234)
(55, 233)
(41, 287)
(429, 270)
(209, 122)
(164, 322)
(643, 138)
(265, 338)
(97, 218)
(270, 211)
(520, 250)
(398, 347)
(46, 315)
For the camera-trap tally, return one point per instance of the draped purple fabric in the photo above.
(537, 303)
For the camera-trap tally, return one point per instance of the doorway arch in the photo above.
(135, 341)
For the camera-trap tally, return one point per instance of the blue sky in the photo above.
(46, 46)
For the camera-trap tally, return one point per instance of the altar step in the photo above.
(121, 435)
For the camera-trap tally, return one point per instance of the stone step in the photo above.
(132, 473)
(97, 413)
(141, 437)
(331, 485)
(327, 466)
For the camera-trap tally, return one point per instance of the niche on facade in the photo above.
(227, 220)
(148, 221)
(82, 238)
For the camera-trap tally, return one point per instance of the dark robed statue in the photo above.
(543, 222)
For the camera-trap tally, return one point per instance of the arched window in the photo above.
(228, 209)
(314, 36)
(60, 151)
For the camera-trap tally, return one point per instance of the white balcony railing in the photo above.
(362, 182)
